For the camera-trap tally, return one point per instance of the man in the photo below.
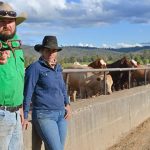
(11, 79)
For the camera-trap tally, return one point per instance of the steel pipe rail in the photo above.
(104, 70)
(68, 71)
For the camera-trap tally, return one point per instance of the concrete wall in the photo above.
(100, 122)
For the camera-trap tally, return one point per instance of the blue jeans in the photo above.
(11, 137)
(51, 127)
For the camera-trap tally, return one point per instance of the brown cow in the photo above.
(138, 76)
(120, 78)
(88, 84)
(109, 83)
(83, 85)
(98, 63)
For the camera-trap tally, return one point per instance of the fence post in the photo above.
(145, 82)
(105, 92)
(129, 80)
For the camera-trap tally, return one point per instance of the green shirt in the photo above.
(12, 79)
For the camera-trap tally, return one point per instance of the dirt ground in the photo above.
(138, 139)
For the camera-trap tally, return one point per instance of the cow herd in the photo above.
(90, 84)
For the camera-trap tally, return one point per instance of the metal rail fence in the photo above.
(105, 71)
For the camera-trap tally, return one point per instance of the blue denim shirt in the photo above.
(45, 87)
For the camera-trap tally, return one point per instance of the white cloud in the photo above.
(121, 45)
(125, 45)
(106, 46)
(85, 12)
(86, 45)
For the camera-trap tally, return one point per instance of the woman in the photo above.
(45, 87)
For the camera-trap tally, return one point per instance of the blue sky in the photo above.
(101, 23)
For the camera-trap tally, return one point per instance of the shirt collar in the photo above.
(44, 62)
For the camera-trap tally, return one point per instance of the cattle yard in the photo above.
(100, 122)
(137, 139)
(126, 81)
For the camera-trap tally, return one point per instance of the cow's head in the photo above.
(134, 63)
(98, 63)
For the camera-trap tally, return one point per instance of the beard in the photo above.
(5, 37)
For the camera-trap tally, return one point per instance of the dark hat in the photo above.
(49, 42)
(6, 11)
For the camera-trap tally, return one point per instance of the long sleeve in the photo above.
(66, 98)
(64, 91)
(31, 78)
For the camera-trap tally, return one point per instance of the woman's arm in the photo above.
(31, 78)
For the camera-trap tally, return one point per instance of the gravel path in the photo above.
(138, 139)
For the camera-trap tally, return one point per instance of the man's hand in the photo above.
(4, 55)
(68, 112)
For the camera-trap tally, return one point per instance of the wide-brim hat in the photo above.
(5, 7)
(49, 42)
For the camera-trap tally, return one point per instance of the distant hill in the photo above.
(29, 51)
(131, 49)
(69, 51)
(78, 51)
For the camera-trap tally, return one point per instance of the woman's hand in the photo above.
(25, 124)
(21, 115)
(68, 112)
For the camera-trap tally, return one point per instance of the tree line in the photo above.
(142, 57)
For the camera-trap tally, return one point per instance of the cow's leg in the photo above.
(83, 93)
(74, 96)
(108, 87)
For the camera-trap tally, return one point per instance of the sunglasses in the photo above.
(10, 45)
(9, 13)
